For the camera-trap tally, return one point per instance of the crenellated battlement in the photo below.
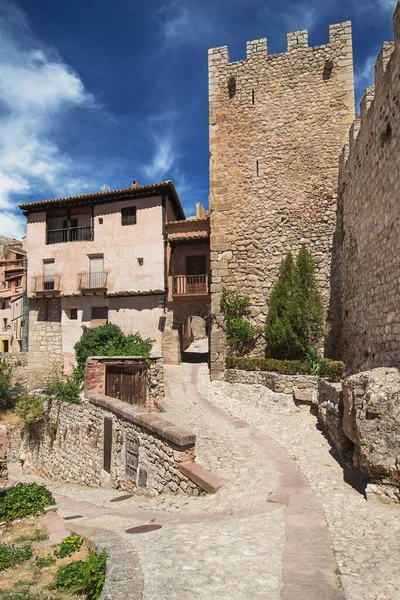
(339, 34)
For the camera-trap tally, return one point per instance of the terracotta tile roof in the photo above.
(195, 235)
(97, 197)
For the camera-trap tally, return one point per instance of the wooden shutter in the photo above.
(107, 444)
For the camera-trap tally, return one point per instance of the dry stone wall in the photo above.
(277, 126)
(18, 364)
(146, 451)
(45, 357)
(369, 221)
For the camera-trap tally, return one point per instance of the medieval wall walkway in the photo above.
(264, 535)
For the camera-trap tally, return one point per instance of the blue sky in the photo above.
(95, 92)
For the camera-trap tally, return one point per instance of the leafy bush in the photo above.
(108, 340)
(11, 556)
(23, 500)
(5, 385)
(295, 319)
(68, 546)
(41, 562)
(83, 578)
(331, 369)
(66, 391)
(240, 333)
(30, 408)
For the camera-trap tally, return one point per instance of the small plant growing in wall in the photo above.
(65, 391)
(240, 333)
(5, 383)
(30, 409)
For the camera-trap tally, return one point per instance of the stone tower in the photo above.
(277, 127)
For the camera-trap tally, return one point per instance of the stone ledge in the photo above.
(124, 578)
(202, 477)
(151, 422)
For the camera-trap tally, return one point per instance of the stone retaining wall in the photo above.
(14, 439)
(305, 387)
(69, 446)
(18, 362)
(3, 457)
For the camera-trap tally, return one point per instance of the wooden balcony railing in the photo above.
(92, 281)
(46, 283)
(190, 285)
(73, 234)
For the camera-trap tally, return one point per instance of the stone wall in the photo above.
(277, 126)
(45, 358)
(304, 388)
(14, 439)
(18, 363)
(69, 446)
(369, 221)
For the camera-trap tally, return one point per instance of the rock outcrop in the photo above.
(371, 420)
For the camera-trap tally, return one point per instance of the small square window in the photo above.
(128, 215)
(73, 314)
(140, 262)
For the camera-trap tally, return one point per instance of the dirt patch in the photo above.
(28, 576)
(8, 417)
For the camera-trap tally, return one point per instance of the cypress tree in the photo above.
(279, 327)
(295, 319)
(309, 305)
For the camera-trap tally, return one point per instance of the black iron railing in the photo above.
(73, 234)
(45, 283)
(90, 281)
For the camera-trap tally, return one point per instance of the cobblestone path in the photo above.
(264, 535)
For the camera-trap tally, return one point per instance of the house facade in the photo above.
(92, 259)
(12, 287)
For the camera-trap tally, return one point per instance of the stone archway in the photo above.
(177, 315)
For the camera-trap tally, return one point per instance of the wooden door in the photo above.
(127, 383)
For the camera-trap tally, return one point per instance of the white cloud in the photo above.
(37, 89)
(301, 17)
(188, 21)
(162, 129)
(12, 225)
(364, 75)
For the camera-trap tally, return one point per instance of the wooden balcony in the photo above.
(92, 281)
(190, 285)
(73, 234)
(46, 283)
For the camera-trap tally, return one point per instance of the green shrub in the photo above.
(83, 578)
(333, 370)
(5, 386)
(108, 340)
(295, 319)
(240, 333)
(23, 500)
(42, 562)
(68, 546)
(66, 391)
(30, 409)
(11, 556)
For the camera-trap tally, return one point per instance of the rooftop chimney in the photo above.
(134, 185)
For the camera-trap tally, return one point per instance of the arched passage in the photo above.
(178, 331)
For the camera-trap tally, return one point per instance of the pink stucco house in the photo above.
(94, 258)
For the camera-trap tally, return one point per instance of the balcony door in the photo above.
(96, 272)
(196, 265)
(48, 275)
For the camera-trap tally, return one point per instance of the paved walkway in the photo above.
(264, 535)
